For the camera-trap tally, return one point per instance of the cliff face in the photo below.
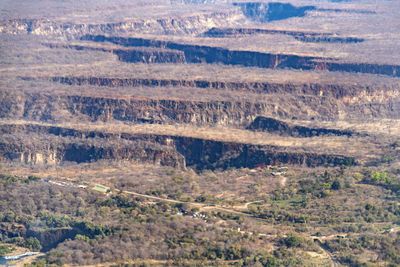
(263, 12)
(280, 100)
(47, 108)
(390, 70)
(208, 54)
(176, 151)
(321, 90)
(50, 238)
(189, 24)
(246, 100)
(284, 129)
(11, 230)
(310, 37)
(150, 56)
(47, 157)
(78, 151)
(206, 154)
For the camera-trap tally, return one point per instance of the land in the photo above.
(200, 133)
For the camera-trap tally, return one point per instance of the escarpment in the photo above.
(261, 12)
(204, 132)
(50, 238)
(31, 150)
(179, 25)
(283, 128)
(150, 56)
(209, 54)
(169, 150)
(48, 108)
(312, 37)
(39, 107)
(338, 91)
(255, 68)
(64, 108)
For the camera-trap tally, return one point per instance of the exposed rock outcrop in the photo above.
(208, 54)
(51, 237)
(48, 107)
(177, 151)
(150, 56)
(10, 230)
(79, 151)
(264, 12)
(282, 128)
(337, 91)
(51, 108)
(189, 24)
(314, 37)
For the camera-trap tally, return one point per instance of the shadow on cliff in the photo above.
(212, 55)
(265, 12)
(168, 150)
(285, 129)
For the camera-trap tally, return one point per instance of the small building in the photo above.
(101, 188)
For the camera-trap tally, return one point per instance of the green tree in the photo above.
(293, 240)
(33, 243)
(380, 178)
(336, 185)
(4, 250)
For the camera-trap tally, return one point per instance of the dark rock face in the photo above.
(390, 70)
(269, 125)
(50, 238)
(311, 37)
(263, 12)
(275, 126)
(328, 39)
(211, 55)
(11, 230)
(75, 150)
(207, 154)
(176, 151)
(139, 153)
(335, 91)
(150, 56)
(46, 108)
(41, 107)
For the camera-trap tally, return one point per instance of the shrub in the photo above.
(380, 178)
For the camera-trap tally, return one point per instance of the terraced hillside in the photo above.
(233, 88)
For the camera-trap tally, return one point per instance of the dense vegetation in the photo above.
(114, 228)
(349, 212)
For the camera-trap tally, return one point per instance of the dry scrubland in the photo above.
(225, 133)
